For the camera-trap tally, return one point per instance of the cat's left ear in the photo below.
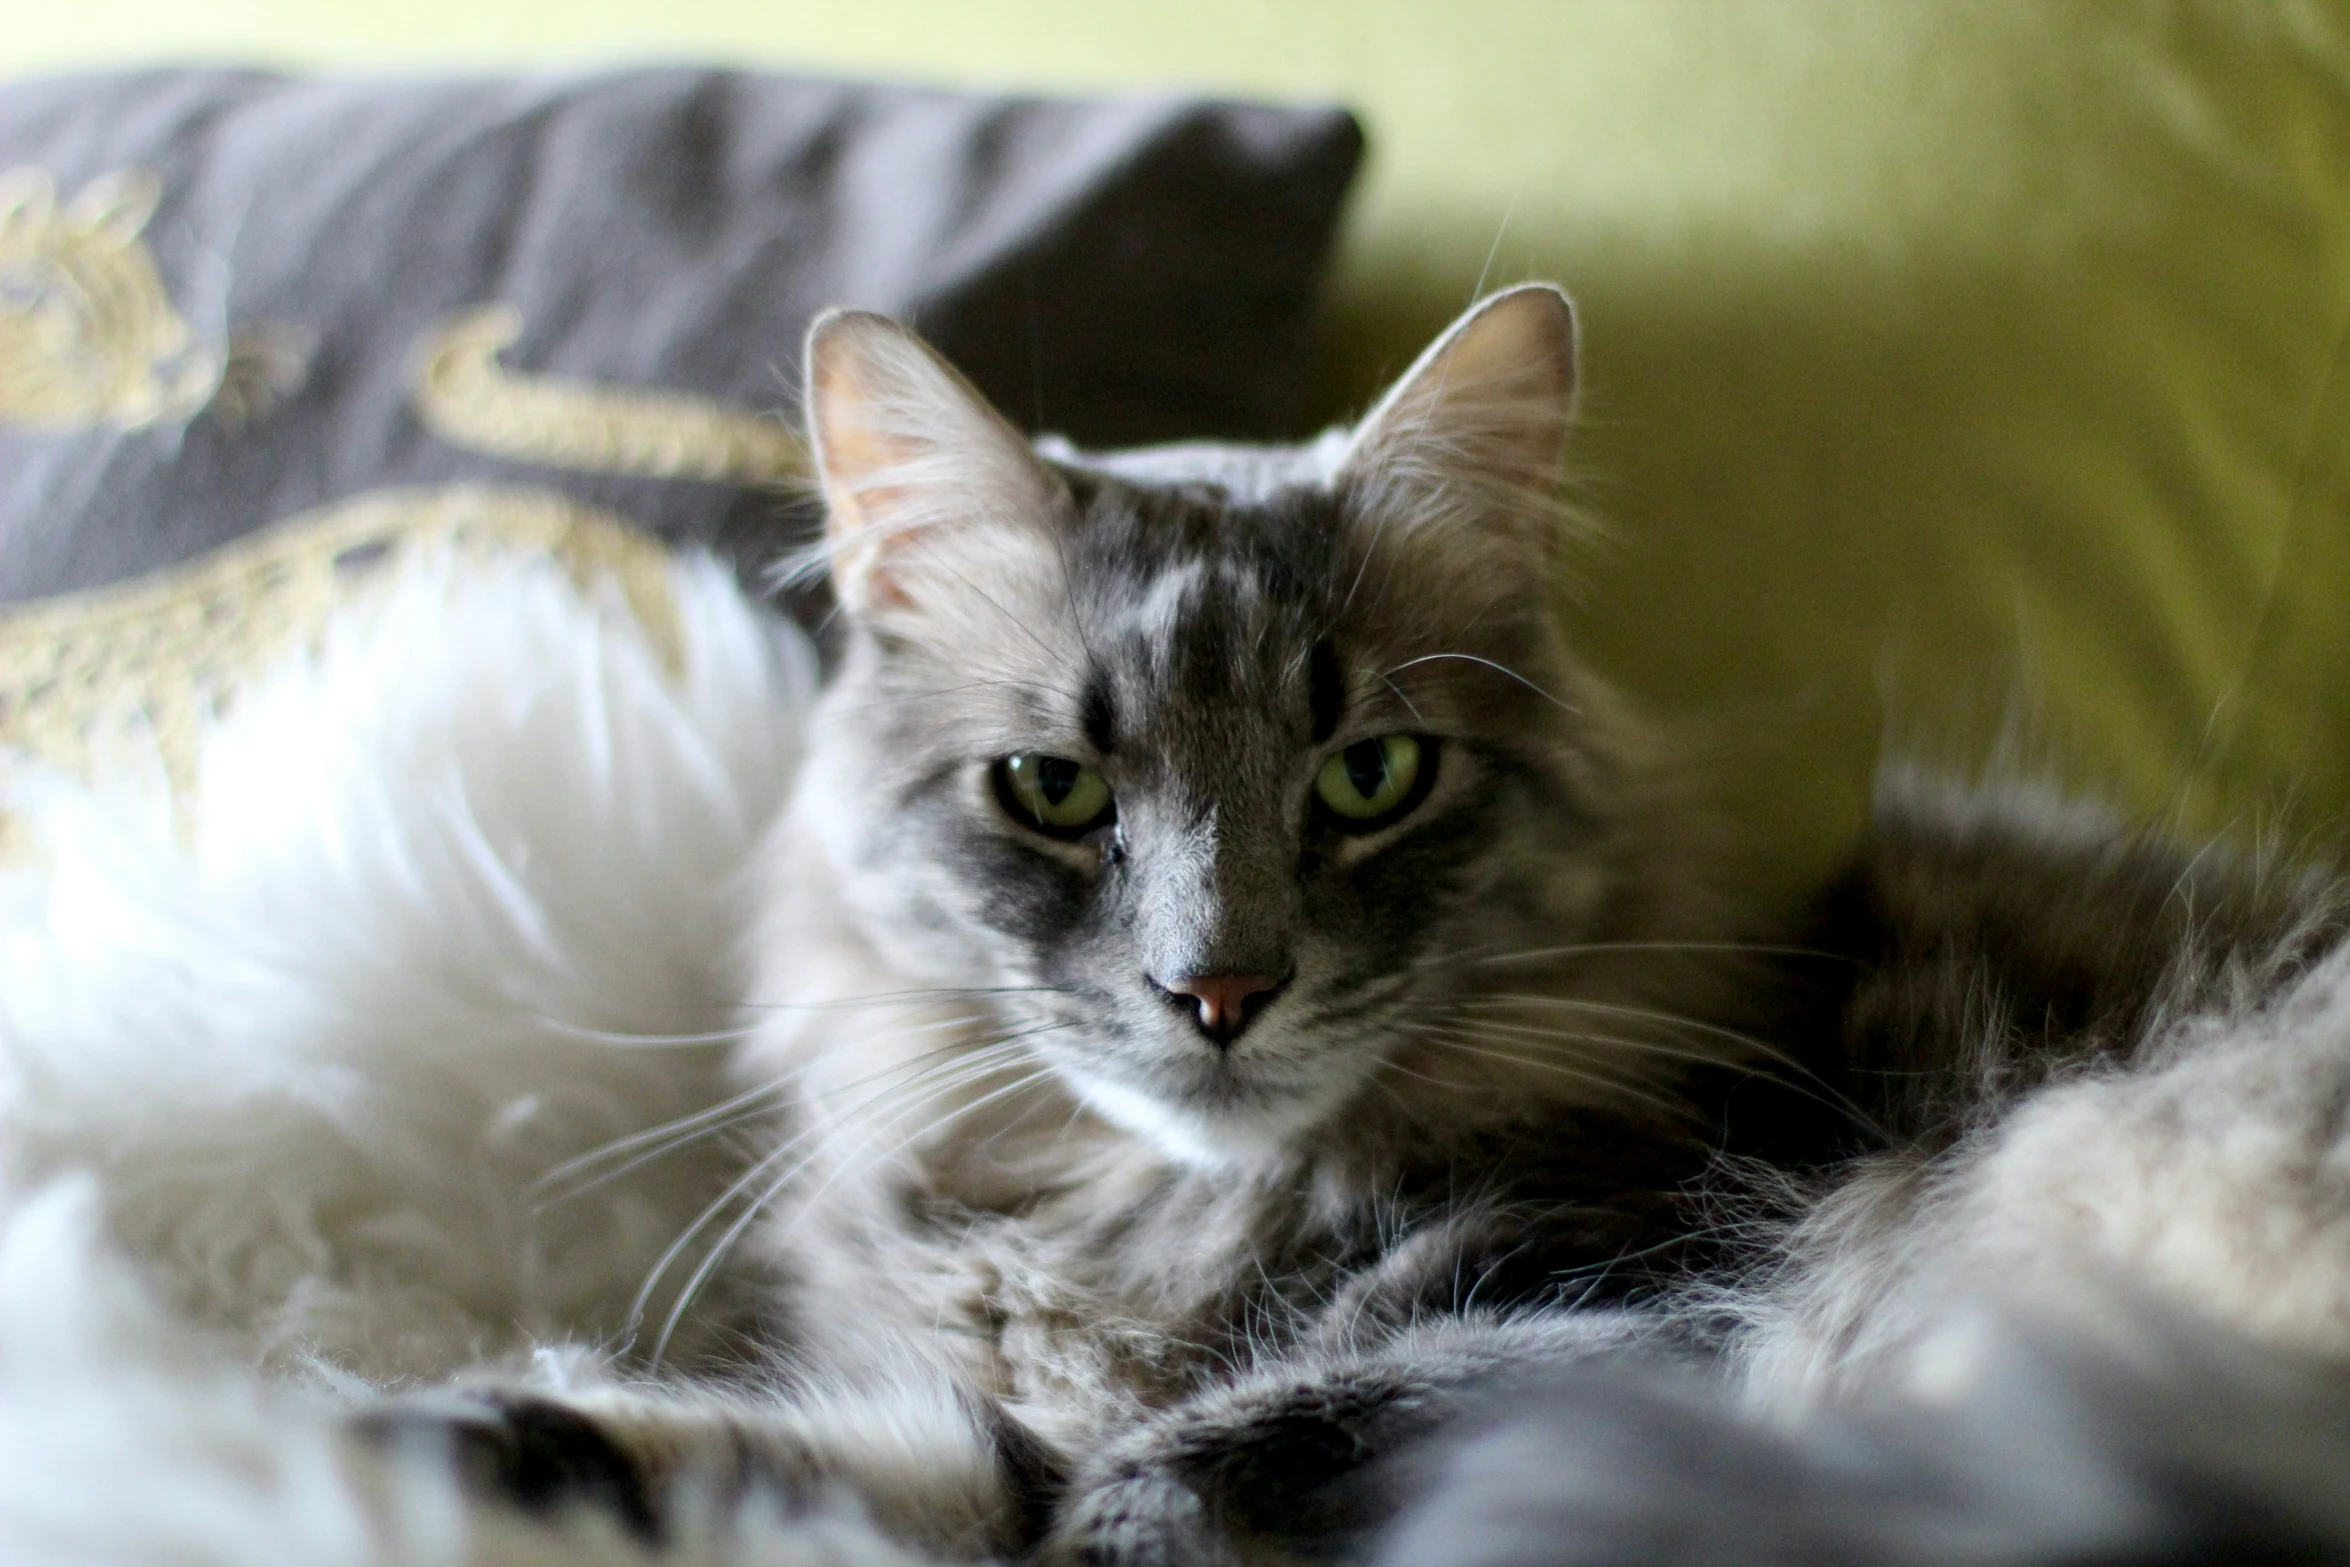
(928, 491)
(1473, 439)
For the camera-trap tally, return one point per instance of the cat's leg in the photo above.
(1265, 1467)
(938, 1470)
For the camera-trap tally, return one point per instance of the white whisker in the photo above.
(600, 1036)
(734, 1232)
(1497, 668)
(749, 1177)
(1583, 1074)
(650, 1144)
(1476, 956)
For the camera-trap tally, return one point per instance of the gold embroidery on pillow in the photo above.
(87, 334)
(468, 399)
(124, 677)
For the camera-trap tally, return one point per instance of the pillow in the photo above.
(116, 684)
(229, 297)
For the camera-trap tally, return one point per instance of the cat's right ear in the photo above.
(1468, 449)
(928, 491)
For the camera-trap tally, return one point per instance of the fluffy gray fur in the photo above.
(1054, 1265)
(2151, 1441)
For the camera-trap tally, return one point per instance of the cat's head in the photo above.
(1217, 764)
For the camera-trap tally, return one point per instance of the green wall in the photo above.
(1961, 376)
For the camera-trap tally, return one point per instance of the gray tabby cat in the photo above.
(1245, 990)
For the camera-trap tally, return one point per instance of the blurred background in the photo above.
(1960, 378)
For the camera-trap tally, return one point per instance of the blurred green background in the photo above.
(1964, 379)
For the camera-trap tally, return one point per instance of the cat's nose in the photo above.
(1222, 1004)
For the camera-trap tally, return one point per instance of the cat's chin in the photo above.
(1215, 1136)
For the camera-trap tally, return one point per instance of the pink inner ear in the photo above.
(914, 463)
(853, 447)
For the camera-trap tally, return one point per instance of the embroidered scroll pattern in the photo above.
(87, 334)
(125, 677)
(467, 398)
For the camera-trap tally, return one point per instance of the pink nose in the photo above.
(1225, 1001)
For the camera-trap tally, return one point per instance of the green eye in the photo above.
(1052, 793)
(1372, 779)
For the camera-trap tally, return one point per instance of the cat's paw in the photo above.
(922, 1465)
(524, 1451)
(1270, 1470)
(1139, 1520)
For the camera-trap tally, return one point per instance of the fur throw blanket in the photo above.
(285, 1065)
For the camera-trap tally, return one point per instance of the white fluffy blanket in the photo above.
(281, 1076)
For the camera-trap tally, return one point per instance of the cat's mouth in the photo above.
(1219, 1112)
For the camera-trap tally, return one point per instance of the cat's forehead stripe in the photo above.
(1191, 599)
(1326, 689)
(1098, 710)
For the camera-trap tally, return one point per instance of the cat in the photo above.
(1239, 989)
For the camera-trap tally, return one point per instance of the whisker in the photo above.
(1421, 1077)
(1476, 956)
(961, 1051)
(966, 1074)
(1503, 1033)
(1027, 1079)
(1749, 1042)
(1509, 1000)
(599, 1036)
(906, 997)
(701, 1221)
(674, 1134)
(709, 1264)
(1408, 703)
(1561, 1069)
(648, 1145)
(965, 1066)
(1801, 1079)
(734, 1232)
(1497, 668)
(743, 1183)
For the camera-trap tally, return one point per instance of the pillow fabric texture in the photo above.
(229, 297)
